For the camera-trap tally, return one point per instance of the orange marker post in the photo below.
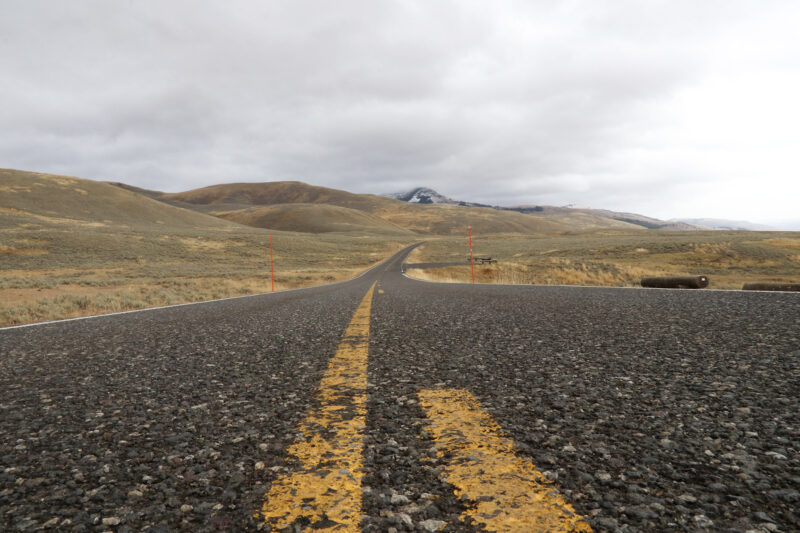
(271, 265)
(471, 260)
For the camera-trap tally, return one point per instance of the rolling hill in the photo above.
(240, 195)
(723, 224)
(72, 247)
(590, 218)
(311, 218)
(575, 217)
(236, 201)
(47, 200)
(289, 206)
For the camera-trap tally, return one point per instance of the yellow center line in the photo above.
(325, 491)
(507, 492)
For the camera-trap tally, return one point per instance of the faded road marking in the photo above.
(325, 491)
(507, 493)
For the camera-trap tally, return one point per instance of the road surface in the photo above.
(385, 403)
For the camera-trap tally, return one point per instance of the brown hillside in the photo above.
(311, 218)
(586, 218)
(235, 199)
(453, 220)
(45, 200)
(73, 247)
(278, 192)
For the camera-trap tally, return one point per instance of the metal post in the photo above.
(471, 260)
(271, 265)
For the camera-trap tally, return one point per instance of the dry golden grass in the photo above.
(311, 218)
(784, 243)
(65, 254)
(206, 271)
(245, 203)
(730, 259)
(72, 247)
(54, 300)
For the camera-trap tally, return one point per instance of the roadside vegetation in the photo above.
(71, 247)
(51, 274)
(616, 258)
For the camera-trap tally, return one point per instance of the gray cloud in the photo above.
(624, 106)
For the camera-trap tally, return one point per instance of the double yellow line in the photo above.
(324, 492)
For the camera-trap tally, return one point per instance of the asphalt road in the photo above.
(650, 410)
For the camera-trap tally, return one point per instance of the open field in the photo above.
(71, 247)
(51, 274)
(275, 205)
(617, 258)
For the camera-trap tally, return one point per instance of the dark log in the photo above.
(680, 282)
(771, 287)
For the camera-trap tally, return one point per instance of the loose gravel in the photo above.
(651, 410)
(170, 420)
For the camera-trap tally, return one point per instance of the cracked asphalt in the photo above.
(649, 409)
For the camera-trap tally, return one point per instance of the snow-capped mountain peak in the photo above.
(422, 195)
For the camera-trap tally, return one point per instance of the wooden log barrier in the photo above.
(771, 287)
(679, 282)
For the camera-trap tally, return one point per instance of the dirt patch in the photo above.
(10, 250)
(51, 220)
(197, 244)
(14, 188)
(785, 243)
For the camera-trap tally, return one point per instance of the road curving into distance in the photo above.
(385, 403)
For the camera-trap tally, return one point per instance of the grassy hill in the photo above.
(311, 218)
(240, 195)
(586, 218)
(45, 200)
(71, 247)
(235, 202)
(453, 220)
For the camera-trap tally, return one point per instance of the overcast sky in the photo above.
(665, 108)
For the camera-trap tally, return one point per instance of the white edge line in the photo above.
(33, 324)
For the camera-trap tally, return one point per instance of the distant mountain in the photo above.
(719, 223)
(572, 215)
(628, 218)
(297, 206)
(422, 195)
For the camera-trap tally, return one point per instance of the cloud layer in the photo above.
(664, 108)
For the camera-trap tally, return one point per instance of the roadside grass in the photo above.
(85, 271)
(72, 247)
(617, 258)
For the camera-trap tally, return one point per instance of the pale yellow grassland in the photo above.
(730, 259)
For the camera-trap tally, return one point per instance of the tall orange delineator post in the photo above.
(271, 266)
(471, 260)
